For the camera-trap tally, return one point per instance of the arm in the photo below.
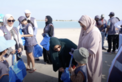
(35, 24)
(77, 78)
(108, 25)
(30, 31)
(51, 31)
(94, 42)
(118, 24)
(27, 35)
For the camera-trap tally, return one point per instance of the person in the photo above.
(30, 42)
(11, 33)
(97, 19)
(49, 29)
(79, 74)
(115, 73)
(90, 38)
(4, 66)
(59, 54)
(1, 19)
(112, 32)
(118, 26)
(32, 21)
(102, 29)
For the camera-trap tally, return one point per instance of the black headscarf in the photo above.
(62, 58)
(49, 20)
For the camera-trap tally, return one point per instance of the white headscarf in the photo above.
(6, 17)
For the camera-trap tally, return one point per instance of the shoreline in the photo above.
(61, 28)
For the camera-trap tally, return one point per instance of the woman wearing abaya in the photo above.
(11, 33)
(90, 38)
(49, 29)
(59, 53)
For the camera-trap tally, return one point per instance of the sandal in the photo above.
(32, 70)
(28, 69)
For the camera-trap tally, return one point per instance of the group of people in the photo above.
(109, 29)
(87, 55)
(28, 27)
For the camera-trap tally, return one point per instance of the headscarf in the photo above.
(6, 17)
(89, 24)
(49, 20)
(56, 57)
(54, 54)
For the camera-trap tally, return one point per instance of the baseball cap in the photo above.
(111, 13)
(102, 15)
(21, 18)
(97, 17)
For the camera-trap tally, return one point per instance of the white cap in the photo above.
(27, 11)
(102, 15)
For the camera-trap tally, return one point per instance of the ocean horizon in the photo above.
(56, 24)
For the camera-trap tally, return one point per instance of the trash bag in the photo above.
(17, 71)
(45, 42)
(23, 39)
(65, 77)
(37, 51)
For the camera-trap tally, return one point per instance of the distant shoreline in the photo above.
(59, 20)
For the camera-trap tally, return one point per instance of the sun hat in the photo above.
(4, 44)
(81, 55)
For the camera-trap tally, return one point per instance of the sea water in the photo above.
(57, 24)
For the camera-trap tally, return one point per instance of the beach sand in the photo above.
(45, 73)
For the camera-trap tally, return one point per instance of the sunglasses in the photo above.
(11, 20)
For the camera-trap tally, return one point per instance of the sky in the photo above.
(61, 9)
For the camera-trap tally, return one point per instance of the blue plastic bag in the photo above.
(65, 77)
(23, 39)
(17, 72)
(37, 51)
(12, 76)
(46, 42)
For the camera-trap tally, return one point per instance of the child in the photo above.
(4, 66)
(30, 42)
(79, 74)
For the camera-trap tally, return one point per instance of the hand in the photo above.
(102, 25)
(71, 69)
(19, 50)
(61, 69)
(13, 52)
(22, 36)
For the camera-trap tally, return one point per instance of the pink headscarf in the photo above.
(89, 23)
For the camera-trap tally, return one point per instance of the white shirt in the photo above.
(118, 24)
(30, 29)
